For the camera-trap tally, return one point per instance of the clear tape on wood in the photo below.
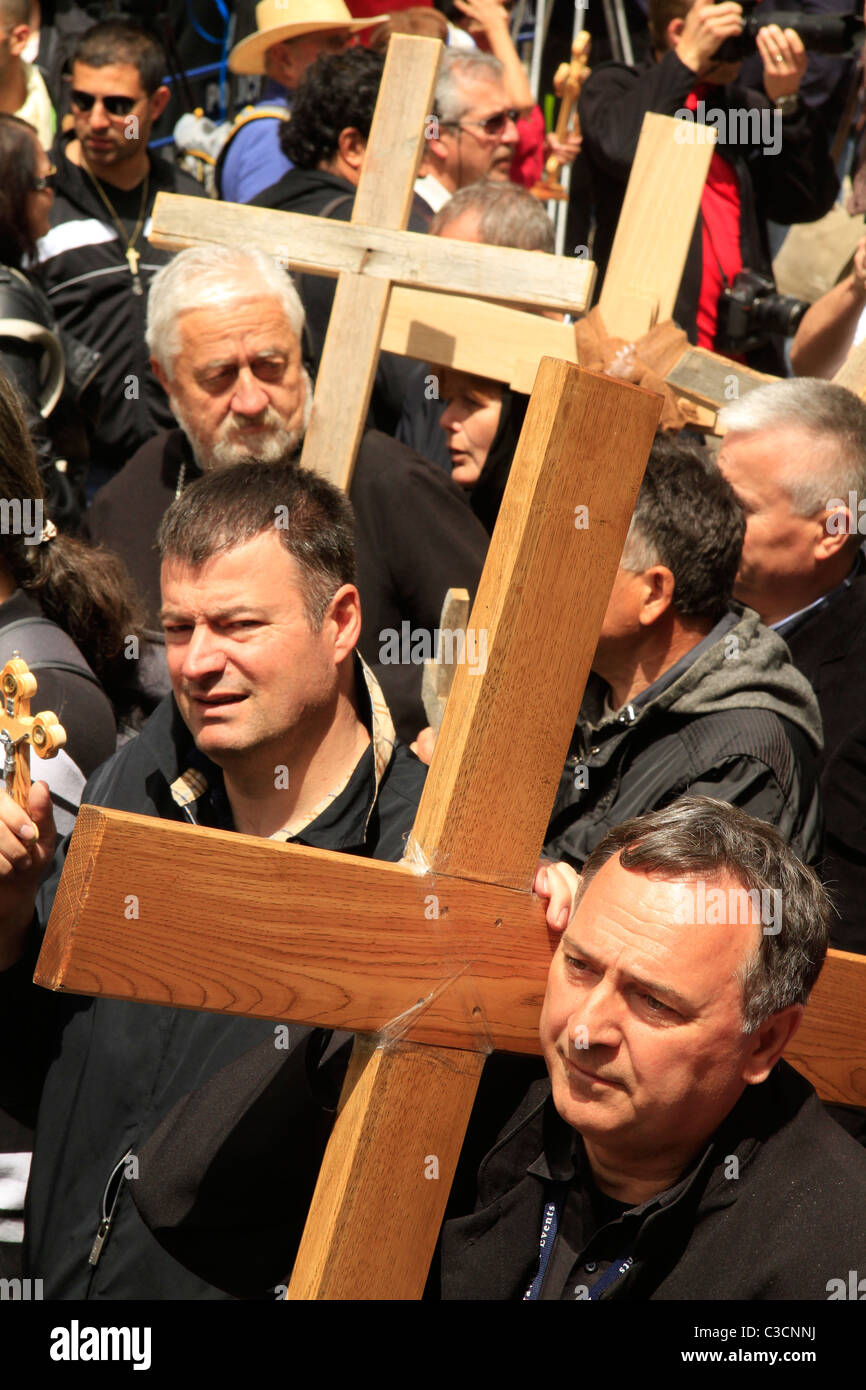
(433, 899)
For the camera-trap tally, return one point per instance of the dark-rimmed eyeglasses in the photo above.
(114, 106)
(44, 181)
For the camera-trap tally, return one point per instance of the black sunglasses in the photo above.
(44, 181)
(115, 106)
(494, 125)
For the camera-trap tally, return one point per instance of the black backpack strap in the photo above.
(44, 646)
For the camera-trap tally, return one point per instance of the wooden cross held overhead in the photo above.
(20, 731)
(447, 948)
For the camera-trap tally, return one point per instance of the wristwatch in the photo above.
(789, 105)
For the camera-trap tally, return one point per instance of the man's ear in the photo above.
(674, 32)
(343, 621)
(658, 594)
(160, 374)
(837, 526)
(769, 1042)
(352, 147)
(159, 101)
(18, 39)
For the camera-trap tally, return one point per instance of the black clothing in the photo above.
(732, 719)
(53, 373)
(87, 279)
(415, 538)
(828, 644)
(773, 1209)
(112, 1069)
(797, 183)
(319, 194)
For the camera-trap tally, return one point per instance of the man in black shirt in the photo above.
(671, 1154)
(96, 262)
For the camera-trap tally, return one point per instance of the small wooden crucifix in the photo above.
(20, 731)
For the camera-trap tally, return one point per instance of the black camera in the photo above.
(751, 309)
(820, 33)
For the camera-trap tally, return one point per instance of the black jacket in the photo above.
(54, 375)
(782, 1222)
(87, 279)
(733, 719)
(316, 193)
(416, 537)
(112, 1069)
(828, 644)
(796, 184)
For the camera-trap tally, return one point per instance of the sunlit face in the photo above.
(663, 1056)
(38, 206)
(470, 421)
(237, 386)
(246, 668)
(471, 151)
(109, 140)
(779, 568)
(286, 62)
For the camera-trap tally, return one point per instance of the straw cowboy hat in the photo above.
(289, 19)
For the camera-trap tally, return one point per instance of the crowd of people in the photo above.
(154, 407)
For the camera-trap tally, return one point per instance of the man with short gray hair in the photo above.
(670, 1153)
(795, 454)
(472, 132)
(688, 694)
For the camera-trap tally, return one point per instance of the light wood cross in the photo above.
(449, 947)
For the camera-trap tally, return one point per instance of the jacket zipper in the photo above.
(104, 1227)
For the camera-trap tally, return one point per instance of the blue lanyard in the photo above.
(549, 1228)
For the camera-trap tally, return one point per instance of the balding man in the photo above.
(795, 453)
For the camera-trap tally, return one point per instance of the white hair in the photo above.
(833, 460)
(450, 102)
(202, 277)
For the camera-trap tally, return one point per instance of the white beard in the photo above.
(231, 446)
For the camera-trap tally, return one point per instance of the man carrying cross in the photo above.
(275, 729)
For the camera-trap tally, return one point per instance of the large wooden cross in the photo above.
(443, 957)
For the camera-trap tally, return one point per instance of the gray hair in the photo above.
(204, 276)
(699, 838)
(507, 215)
(450, 103)
(834, 459)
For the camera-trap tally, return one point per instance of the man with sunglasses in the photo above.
(473, 134)
(96, 263)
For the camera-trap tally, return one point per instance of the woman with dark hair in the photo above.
(51, 371)
(68, 609)
(66, 606)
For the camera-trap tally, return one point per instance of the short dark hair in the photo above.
(697, 837)
(18, 146)
(661, 12)
(231, 506)
(338, 90)
(123, 41)
(689, 518)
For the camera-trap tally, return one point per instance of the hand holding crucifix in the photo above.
(26, 840)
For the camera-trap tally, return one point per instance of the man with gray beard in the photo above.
(224, 331)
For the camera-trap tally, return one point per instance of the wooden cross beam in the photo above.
(449, 946)
(434, 311)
